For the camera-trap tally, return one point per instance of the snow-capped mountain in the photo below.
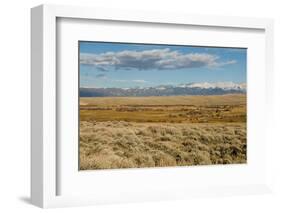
(221, 85)
(203, 88)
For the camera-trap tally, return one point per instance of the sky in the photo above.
(125, 65)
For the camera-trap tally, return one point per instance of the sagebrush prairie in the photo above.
(139, 132)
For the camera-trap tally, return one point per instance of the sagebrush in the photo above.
(137, 132)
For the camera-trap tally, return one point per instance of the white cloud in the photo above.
(161, 59)
(140, 81)
(135, 81)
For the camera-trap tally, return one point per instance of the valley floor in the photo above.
(157, 132)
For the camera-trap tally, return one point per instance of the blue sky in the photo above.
(122, 65)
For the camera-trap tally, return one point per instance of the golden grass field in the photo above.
(137, 132)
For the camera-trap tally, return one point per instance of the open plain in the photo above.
(138, 132)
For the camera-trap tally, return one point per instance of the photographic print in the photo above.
(158, 105)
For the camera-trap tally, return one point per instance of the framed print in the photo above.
(139, 106)
(130, 106)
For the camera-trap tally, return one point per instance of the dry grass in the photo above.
(175, 109)
(139, 132)
(108, 145)
(232, 99)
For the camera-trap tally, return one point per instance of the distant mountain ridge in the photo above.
(204, 88)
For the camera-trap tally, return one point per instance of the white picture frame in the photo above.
(45, 167)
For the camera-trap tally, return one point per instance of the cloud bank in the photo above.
(159, 59)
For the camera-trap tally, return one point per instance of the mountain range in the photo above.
(204, 88)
